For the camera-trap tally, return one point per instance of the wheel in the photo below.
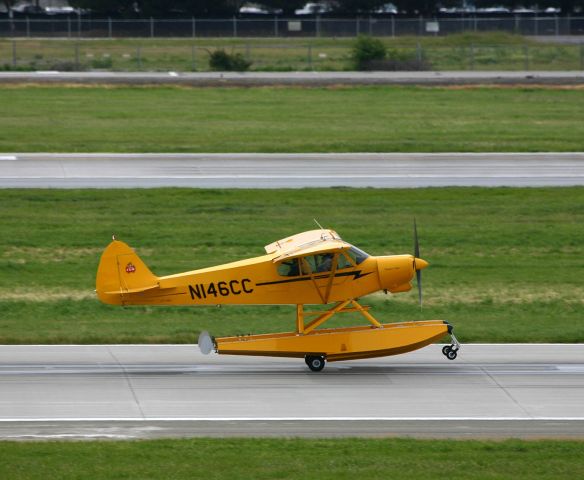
(451, 355)
(445, 350)
(316, 364)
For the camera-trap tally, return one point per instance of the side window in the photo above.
(343, 262)
(288, 268)
(324, 262)
(308, 264)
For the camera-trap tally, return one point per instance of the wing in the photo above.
(327, 246)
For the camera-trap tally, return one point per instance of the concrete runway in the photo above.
(149, 391)
(251, 79)
(389, 170)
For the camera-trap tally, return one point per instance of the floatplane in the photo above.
(316, 267)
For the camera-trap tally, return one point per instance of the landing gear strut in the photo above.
(315, 363)
(451, 351)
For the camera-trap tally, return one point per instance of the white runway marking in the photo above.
(292, 419)
(8, 157)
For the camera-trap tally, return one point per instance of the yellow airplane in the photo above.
(314, 267)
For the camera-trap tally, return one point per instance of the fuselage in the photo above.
(259, 281)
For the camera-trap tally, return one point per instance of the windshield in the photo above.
(357, 255)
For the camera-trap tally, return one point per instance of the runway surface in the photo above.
(232, 170)
(147, 391)
(250, 79)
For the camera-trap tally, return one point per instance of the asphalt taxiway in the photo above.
(305, 79)
(251, 170)
(147, 391)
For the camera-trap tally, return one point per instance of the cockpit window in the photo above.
(289, 268)
(321, 262)
(343, 261)
(324, 262)
(357, 255)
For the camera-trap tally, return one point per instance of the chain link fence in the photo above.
(81, 27)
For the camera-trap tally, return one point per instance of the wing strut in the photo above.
(332, 277)
(323, 316)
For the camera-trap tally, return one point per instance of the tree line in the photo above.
(228, 8)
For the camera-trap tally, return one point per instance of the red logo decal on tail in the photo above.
(130, 268)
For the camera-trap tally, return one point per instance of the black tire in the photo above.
(451, 355)
(315, 363)
(445, 350)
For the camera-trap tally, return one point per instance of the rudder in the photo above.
(121, 272)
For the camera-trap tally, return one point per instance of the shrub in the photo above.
(65, 66)
(366, 50)
(105, 62)
(222, 61)
(399, 60)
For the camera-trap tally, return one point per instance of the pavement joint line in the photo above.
(128, 381)
(505, 391)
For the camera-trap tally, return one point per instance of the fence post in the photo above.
(317, 26)
(234, 27)
(516, 28)
(28, 27)
(557, 22)
(77, 66)
(13, 53)
(151, 27)
(68, 27)
(421, 26)
(193, 58)
(138, 57)
(472, 57)
(309, 57)
(536, 30)
(370, 26)
(419, 52)
(357, 26)
(79, 25)
(276, 33)
(109, 27)
(526, 54)
(393, 26)
(194, 27)
(474, 18)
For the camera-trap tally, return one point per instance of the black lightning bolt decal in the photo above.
(355, 274)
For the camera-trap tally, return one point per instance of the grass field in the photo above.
(293, 459)
(469, 51)
(506, 264)
(362, 119)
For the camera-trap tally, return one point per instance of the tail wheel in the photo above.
(315, 363)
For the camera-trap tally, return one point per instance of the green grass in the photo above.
(506, 264)
(480, 51)
(293, 459)
(362, 119)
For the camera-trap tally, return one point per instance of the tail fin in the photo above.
(122, 272)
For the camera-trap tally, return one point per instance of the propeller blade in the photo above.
(416, 256)
(419, 282)
(416, 244)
